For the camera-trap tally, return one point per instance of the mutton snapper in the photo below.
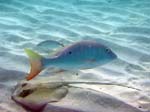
(78, 56)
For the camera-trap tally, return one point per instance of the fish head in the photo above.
(107, 54)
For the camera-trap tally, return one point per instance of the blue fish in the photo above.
(78, 56)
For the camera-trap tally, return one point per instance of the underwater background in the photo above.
(122, 25)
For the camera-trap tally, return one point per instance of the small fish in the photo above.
(78, 56)
(48, 45)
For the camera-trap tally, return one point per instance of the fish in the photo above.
(48, 46)
(77, 56)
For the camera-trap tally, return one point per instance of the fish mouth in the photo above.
(114, 56)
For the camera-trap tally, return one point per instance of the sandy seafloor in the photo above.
(122, 25)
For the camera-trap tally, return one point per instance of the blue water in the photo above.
(122, 25)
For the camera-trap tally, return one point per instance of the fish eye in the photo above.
(70, 52)
(107, 50)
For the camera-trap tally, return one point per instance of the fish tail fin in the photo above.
(36, 64)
